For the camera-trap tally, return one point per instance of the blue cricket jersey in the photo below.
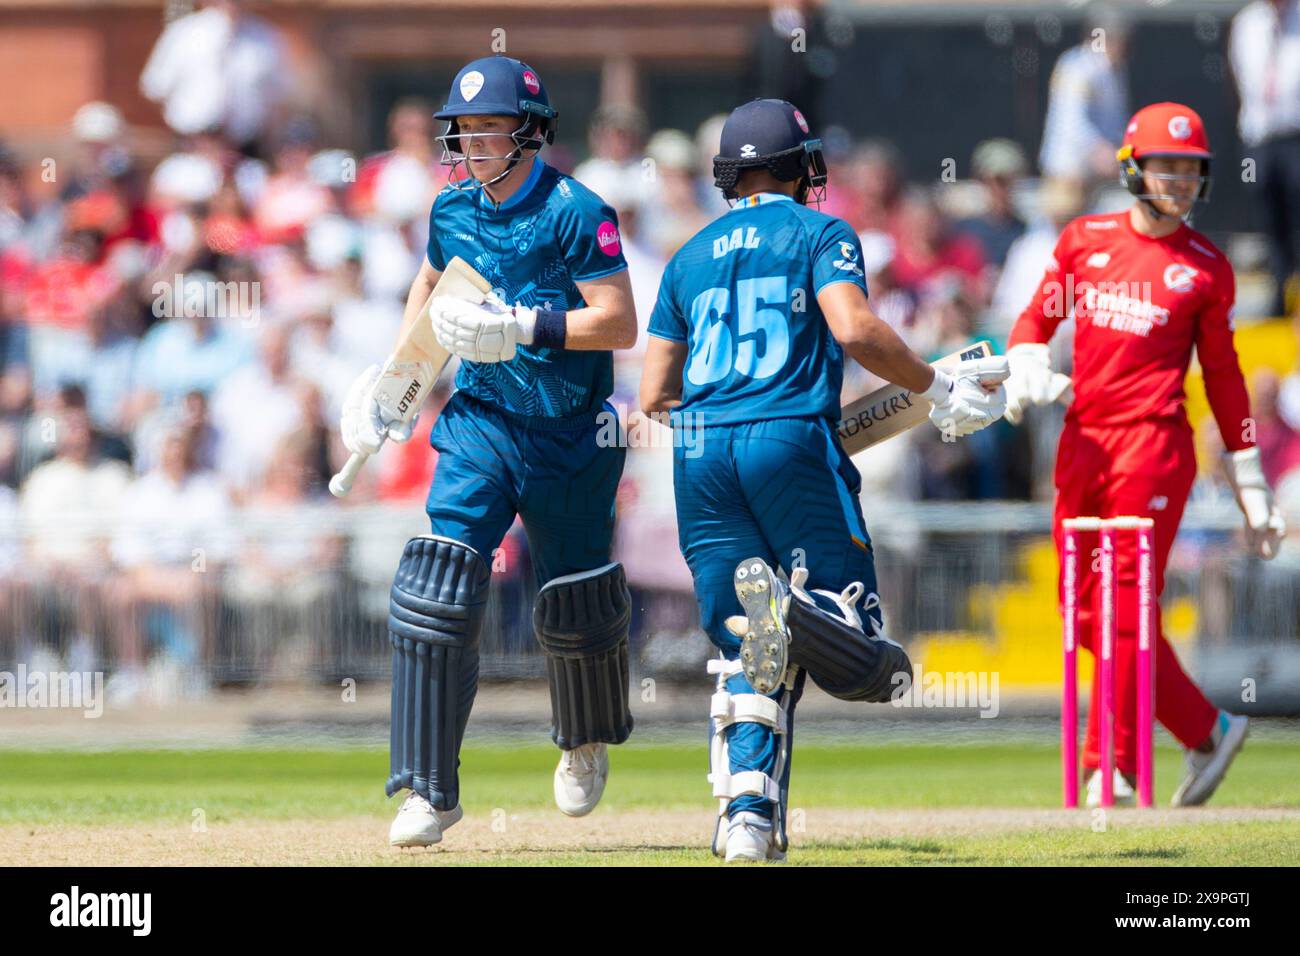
(742, 295)
(551, 233)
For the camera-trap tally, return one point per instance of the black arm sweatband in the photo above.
(550, 328)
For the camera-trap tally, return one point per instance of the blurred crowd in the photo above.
(177, 330)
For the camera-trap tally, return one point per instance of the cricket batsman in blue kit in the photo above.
(747, 344)
(519, 437)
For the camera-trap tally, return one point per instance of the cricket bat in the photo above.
(891, 408)
(416, 363)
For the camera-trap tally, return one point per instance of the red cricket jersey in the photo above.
(1140, 304)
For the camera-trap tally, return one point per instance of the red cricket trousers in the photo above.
(1144, 469)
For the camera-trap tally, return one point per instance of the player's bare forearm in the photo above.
(608, 320)
(870, 341)
(421, 289)
(661, 375)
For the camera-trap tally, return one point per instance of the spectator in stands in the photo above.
(98, 129)
(708, 140)
(228, 228)
(998, 164)
(616, 137)
(891, 302)
(189, 350)
(1264, 51)
(218, 68)
(189, 177)
(12, 612)
(68, 507)
(929, 254)
(189, 415)
(169, 548)
(112, 340)
(13, 201)
(380, 180)
(673, 212)
(1279, 443)
(291, 197)
(1087, 103)
(364, 326)
(256, 407)
(1059, 201)
(283, 583)
(61, 295)
(876, 181)
(1289, 396)
(14, 268)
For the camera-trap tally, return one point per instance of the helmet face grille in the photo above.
(805, 161)
(533, 133)
(1131, 178)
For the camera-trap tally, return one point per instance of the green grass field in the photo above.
(904, 804)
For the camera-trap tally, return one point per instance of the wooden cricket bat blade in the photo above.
(412, 370)
(892, 409)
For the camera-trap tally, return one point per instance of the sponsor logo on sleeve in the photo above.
(848, 261)
(607, 238)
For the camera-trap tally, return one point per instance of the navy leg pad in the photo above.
(581, 621)
(435, 612)
(842, 660)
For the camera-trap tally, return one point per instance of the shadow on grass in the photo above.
(1140, 853)
(920, 852)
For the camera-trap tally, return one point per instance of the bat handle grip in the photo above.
(341, 483)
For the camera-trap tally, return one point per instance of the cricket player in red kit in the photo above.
(1144, 289)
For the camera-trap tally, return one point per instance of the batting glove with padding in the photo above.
(969, 396)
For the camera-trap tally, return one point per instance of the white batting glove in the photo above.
(1265, 527)
(365, 424)
(490, 332)
(968, 397)
(1032, 380)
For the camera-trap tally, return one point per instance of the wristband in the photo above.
(939, 389)
(550, 328)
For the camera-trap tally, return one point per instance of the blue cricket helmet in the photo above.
(501, 86)
(774, 135)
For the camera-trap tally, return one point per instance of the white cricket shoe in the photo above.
(580, 778)
(1121, 789)
(418, 824)
(751, 837)
(1206, 771)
